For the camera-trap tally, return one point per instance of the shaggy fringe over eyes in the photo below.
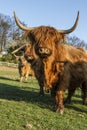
(42, 33)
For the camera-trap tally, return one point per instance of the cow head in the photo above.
(44, 37)
(22, 61)
(29, 53)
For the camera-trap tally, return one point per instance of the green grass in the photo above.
(20, 105)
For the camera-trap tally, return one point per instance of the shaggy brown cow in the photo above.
(24, 68)
(47, 43)
(54, 71)
(72, 76)
(54, 66)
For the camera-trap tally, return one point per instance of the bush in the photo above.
(8, 58)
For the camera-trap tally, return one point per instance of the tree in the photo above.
(9, 32)
(4, 29)
(75, 41)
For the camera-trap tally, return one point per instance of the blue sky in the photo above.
(60, 14)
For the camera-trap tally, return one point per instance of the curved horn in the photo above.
(16, 56)
(20, 25)
(18, 49)
(72, 28)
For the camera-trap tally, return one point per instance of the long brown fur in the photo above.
(44, 33)
(47, 39)
(62, 52)
(53, 66)
(36, 65)
(74, 75)
(24, 68)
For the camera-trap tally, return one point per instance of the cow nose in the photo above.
(29, 58)
(47, 51)
(44, 51)
(41, 50)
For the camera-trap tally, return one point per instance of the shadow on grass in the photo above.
(76, 108)
(18, 79)
(9, 79)
(31, 95)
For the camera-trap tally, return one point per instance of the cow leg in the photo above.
(59, 101)
(21, 79)
(26, 77)
(53, 92)
(84, 93)
(70, 94)
(41, 93)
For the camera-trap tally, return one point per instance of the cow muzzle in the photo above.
(44, 52)
(29, 58)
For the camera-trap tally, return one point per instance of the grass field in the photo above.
(20, 106)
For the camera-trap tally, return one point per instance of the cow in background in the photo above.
(36, 65)
(24, 68)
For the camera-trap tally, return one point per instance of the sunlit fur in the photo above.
(24, 68)
(74, 75)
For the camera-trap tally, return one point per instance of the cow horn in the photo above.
(18, 49)
(60, 31)
(16, 56)
(72, 28)
(20, 25)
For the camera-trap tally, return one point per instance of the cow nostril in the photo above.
(47, 51)
(41, 50)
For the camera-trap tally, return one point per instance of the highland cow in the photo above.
(24, 68)
(48, 44)
(54, 65)
(72, 76)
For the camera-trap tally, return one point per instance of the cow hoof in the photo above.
(47, 91)
(60, 111)
(41, 95)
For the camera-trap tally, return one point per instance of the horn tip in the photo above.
(78, 13)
